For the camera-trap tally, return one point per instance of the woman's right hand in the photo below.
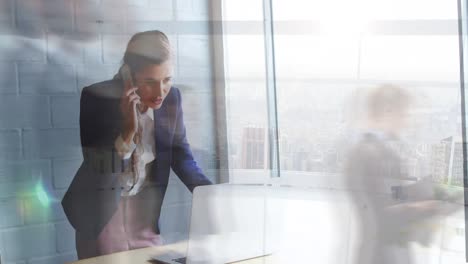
(128, 107)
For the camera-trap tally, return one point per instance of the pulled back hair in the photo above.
(147, 48)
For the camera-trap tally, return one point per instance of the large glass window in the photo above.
(328, 58)
(321, 74)
(246, 90)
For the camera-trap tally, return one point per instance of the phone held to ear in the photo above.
(127, 75)
(128, 80)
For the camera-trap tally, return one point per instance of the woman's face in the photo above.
(154, 83)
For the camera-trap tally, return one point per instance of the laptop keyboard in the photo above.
(180, 260)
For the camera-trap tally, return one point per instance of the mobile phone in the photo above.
(127, 75)
(128, 79)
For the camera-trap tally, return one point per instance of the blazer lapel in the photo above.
(161, 128)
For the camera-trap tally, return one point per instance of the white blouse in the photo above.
(134, 181)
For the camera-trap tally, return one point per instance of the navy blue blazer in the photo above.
(94, 194)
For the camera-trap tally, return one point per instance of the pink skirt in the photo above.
(132, 226)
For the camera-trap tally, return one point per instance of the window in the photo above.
(327, 57)
(246, 97)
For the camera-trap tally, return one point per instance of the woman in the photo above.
(132, 134)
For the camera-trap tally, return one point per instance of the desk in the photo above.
(142, 255)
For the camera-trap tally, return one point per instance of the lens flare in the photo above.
(42, 195)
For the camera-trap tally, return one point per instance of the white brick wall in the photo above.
(42, 78)
(188, 44)
(52, 15)
(50, 50)
(65, 111)
(23, 170)
(37, 213)
(58, 259)
(11, 213)
(24, 111)
(8, 82)
(65, 237)
(25, 47)
(149, 13)
(6, 12)
(100, 18)
(88, 52)
(92, 73)
(61, 172)
(10, 145)
(28, 242)
(51, 143)
(113, 46)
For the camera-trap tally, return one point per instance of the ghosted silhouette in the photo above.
(390, 204)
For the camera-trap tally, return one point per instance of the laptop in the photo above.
(228, 223)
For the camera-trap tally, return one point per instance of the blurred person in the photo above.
(132, 134)
(387, 207)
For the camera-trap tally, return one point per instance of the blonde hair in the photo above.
(146, 48)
